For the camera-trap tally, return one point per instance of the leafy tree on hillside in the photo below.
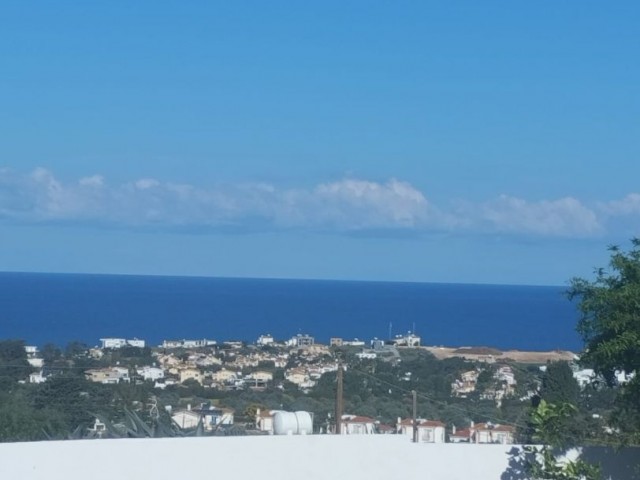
(558, 384)
(610, 326)
(13, 361)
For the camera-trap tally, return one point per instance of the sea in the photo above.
(42, 307)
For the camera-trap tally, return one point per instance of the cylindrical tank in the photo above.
(292, 423)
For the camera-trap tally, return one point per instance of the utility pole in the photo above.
(339, 401)
(415, 416)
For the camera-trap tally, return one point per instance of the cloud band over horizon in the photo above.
(347, 205)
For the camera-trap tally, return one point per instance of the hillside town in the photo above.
(300, 362)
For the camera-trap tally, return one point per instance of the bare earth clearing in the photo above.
(492, 355)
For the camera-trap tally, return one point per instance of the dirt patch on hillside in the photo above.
(492, 355)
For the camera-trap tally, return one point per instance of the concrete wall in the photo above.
(310, 457)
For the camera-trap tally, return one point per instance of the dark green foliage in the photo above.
(610, 327)
(75, 349)
(558, 384)
(13, 362)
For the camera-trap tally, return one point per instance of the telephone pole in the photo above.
(339, 401)
(415, 416)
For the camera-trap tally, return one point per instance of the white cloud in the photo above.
(95, 181)
(345, 205)
(629, 205)
(564, 217)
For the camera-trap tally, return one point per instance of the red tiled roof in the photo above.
(386, 428)
(422, 423)
(495, 427)
(465, 433)
(357, 419)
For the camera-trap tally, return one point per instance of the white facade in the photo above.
(111, 375)
(357, 425)
(199, 343)
(31, 350)
(36, 362)
(429, 431)
(367, 355)
(408, 340)
(301, 341)
(264, 340)
(37, 377)
(150, 373)
(122, 342)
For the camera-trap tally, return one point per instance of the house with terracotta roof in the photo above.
(357, 425)
(484, 433)
(494, 433)
(429, 431)
(463, 435)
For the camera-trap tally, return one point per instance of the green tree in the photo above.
(610, 326)
(558, 384)
(549, 428)
(13, 361)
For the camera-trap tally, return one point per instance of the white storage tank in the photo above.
(293, 423)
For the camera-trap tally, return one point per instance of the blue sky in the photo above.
(491, 142)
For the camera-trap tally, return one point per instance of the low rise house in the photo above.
(115, 343)
(466, 384)
(264, 340)
(367, 355)
(258, 380)
(300, 376)
(464, 435)
(336, 342)
(300, 341)
(110, 375)
(191, 374)
(484, 433)
(357, 425)
(429, 431)
(353, 343)
(493, 433)
(198, 343)
(186, 419)
(408, 340)
(37, 377)
(150, 373)
(215, 416)
(224, 376)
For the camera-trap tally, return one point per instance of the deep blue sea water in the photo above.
(58, 308)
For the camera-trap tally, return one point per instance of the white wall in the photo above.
(310, 457)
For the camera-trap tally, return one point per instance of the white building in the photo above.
(212, 417)
(37, 377)
(584, 377)
(184, 343)
(429, 431)
(367, 355)
(32, 351)
(116, 343)
(264, 340)
(357, 425)
(150, 373)
(408, 340)
(111, 375)
(301, 341)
